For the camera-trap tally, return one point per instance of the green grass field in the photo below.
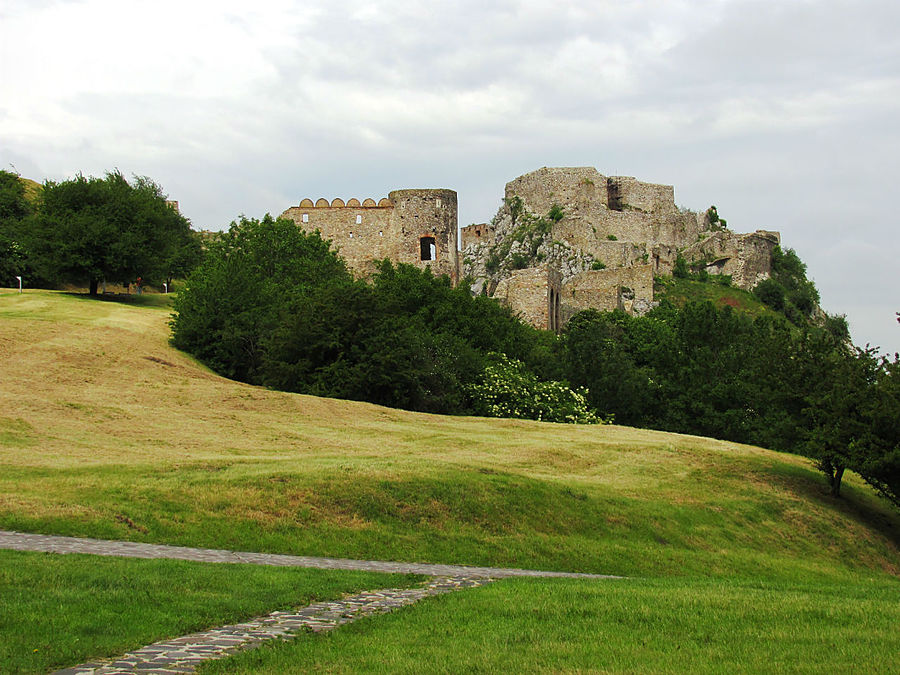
(61, 610)
(107, 431)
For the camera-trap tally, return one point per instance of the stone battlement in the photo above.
(352, 203)
(418, 227)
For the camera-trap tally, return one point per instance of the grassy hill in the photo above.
(107, 431)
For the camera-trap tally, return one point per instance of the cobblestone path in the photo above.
(48, 543)
(183, 654)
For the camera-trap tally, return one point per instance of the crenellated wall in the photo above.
(392, 228)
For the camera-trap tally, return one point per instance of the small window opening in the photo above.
(305, 218)
(380, 233)
(477, 233)
(427, 248)
(351, 235)
(359, 220)
(437, 202)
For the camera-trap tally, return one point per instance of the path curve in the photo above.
(48, 543)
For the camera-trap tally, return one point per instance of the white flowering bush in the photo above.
(507, 388)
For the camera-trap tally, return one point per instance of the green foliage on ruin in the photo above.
(529, 233)
(555, 213)
(612, 237)
(598, 265)
(715, 222)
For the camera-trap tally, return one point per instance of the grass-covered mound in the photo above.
(740, 560)
(107, 431)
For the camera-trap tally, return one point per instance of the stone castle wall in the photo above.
(626, 288)
(534, 295)
(746, 257)
(400, 227)
(633, 228)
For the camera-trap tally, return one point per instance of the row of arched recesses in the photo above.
(338, 202)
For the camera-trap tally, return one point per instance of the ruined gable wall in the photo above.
(474, 234)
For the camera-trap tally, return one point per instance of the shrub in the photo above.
(555, 213)
(612, 237)
(771, 293)
(508, 389)
(598, 265)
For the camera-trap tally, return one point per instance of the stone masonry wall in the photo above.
(534, 295)
(393, 228)
(625, 288)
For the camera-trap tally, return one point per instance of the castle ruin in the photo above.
(564, 239)
(418, 227)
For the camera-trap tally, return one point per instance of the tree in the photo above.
(90, 230)
(14, 211)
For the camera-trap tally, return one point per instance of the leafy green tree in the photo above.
(247, 281)
(90, 230)
(15, 209)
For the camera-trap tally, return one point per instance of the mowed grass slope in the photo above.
(107, 431)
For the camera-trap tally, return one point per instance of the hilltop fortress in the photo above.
(564, 239)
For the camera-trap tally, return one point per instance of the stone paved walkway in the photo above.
(48, 543)
(183, 654)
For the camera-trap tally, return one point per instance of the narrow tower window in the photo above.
(359, 220)
(305, 218)
(427, 248)
(437, 202)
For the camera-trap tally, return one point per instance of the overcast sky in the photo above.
(782, 113)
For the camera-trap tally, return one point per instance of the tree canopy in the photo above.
(90, 230)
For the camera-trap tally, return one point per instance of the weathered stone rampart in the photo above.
(746, 257)
(534, 295)
(418, 227)
(626, 288)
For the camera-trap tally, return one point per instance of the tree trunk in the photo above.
(836, 481)
(94, 284)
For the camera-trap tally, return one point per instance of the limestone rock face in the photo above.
(604, 238)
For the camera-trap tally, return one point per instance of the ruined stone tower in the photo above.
(418, 227)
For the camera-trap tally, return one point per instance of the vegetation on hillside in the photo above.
(299, 322)
(273, 305)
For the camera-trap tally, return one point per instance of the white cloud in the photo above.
(782, 113)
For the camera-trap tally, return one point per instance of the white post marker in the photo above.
(166, 286)
(20, 283)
